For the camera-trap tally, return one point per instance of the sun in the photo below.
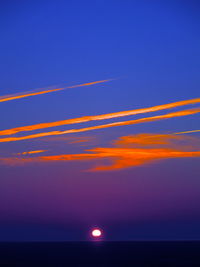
(96, 232)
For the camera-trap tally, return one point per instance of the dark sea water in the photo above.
(100, 254)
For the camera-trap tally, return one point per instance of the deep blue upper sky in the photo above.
(152, 46)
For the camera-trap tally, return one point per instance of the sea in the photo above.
(147, 253)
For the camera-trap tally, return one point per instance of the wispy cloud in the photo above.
(109, 125)
(40, 92)
(71, 139)
(31, 152)
(186, 132)
(130, 157)
(81, 140)
(124, 153)
(146, 139)
(99, 117)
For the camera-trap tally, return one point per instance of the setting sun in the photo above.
(96, 233)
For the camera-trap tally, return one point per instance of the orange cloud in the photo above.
(103, 126)
(40, 92)
(98, 117)
(125, 157)
(120, 156)
(147, 139)
(81, 140)
(31, 152)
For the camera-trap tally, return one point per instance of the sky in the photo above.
(100, 127)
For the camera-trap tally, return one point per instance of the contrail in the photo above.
(103, 126)
(36, 92)
(99, 117)
(193, 131)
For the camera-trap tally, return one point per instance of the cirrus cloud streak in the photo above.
(99, 117)
(41, 92)
(103, 126)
